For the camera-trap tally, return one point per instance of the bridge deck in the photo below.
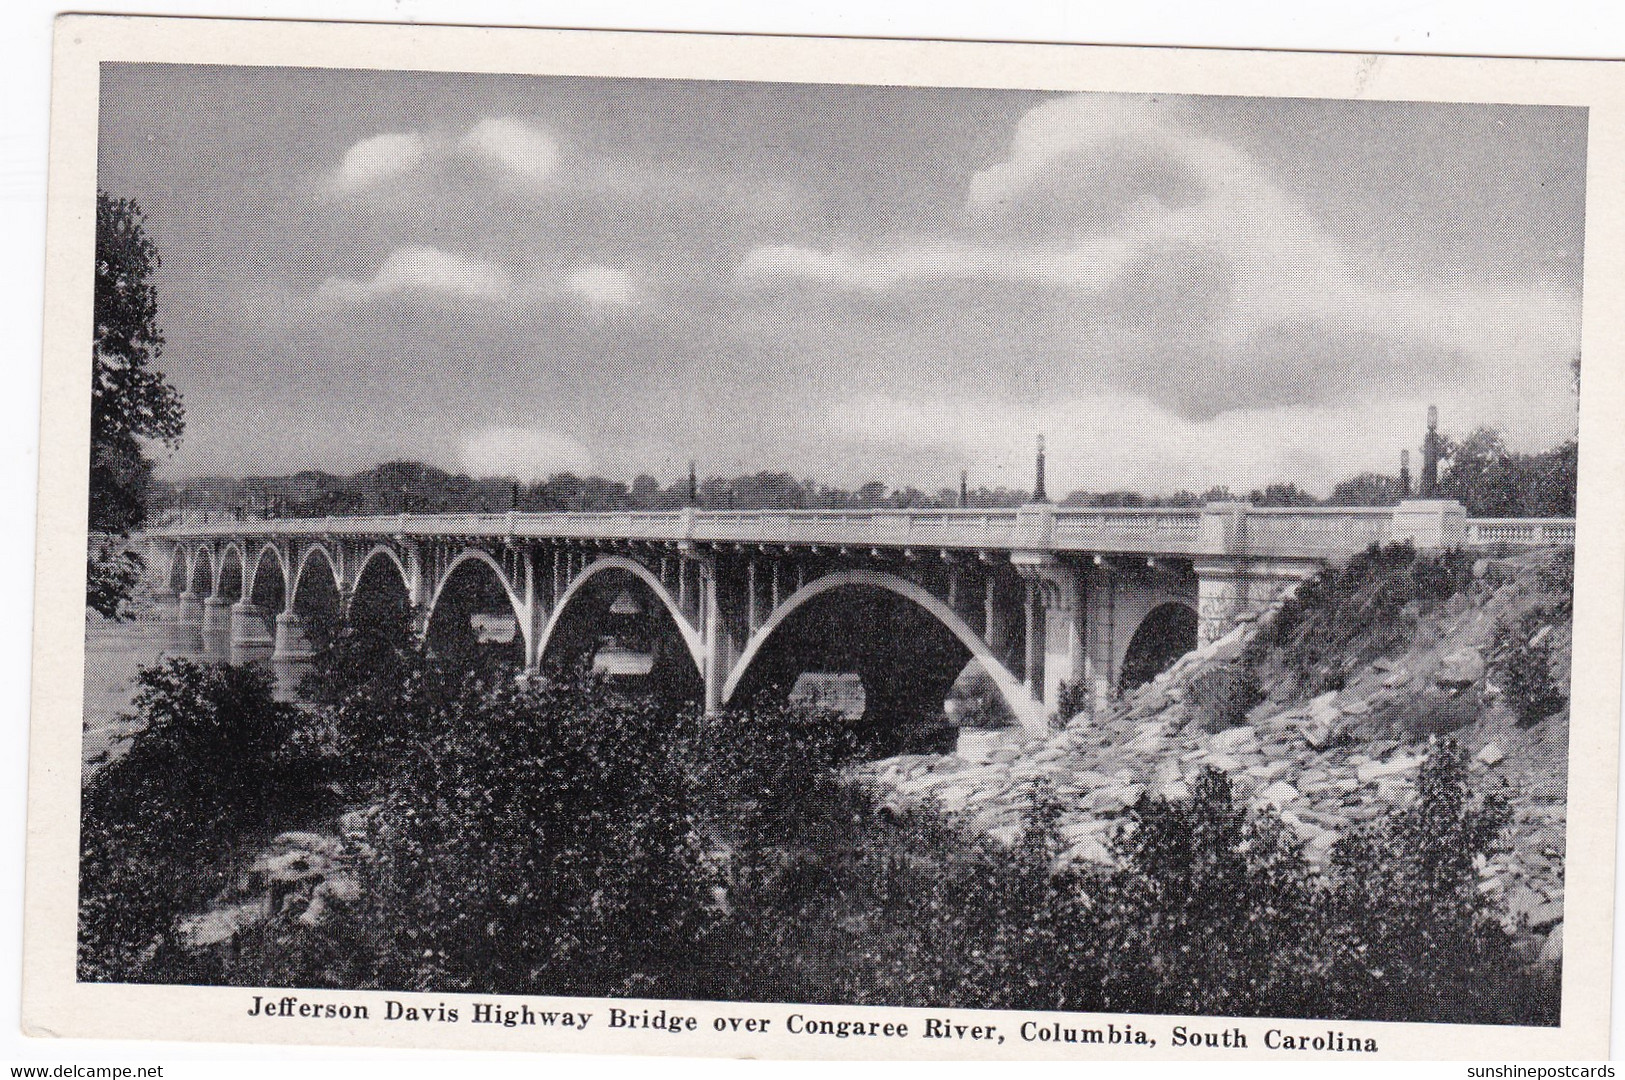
(1228, 529)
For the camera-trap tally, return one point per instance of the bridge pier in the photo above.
(216, 627)
(186, 632)
(290, 641)
(253, 634)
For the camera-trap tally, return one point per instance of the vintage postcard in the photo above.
(715, 545)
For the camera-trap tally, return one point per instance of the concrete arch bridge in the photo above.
(1039, 596)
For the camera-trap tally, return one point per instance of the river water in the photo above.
(114, 654)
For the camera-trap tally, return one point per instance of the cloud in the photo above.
(1089, 265)
(603, 285)
(419, 270)
(1166, 250)
(513, 147)
(373, 160)
(526, 453)
(502, 145)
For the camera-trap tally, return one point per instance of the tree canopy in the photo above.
(131, 403)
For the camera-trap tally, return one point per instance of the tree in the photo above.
(131, 404)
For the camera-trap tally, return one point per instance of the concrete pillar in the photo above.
(775, 597)
(711, 638)
(1099, 634)
(186, 631)
(253, 633)
(753, 616)
(995, 621)
(1030, 642)
(1062, 641)
(1222, 594)
(290, 641)
(216, 628)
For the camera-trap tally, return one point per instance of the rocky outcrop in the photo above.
(1326, 765)
(305, 875)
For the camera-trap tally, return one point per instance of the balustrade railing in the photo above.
(1313, 532)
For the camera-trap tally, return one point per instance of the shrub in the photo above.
(1211, 910)
(1525, 672)
(1413, 937)
(213, 760)
(538, 841)
(1223, 694)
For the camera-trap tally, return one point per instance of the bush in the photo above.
(213, 760)
(538, 841)
(1413, 938)
(1348, 615)
(1525, 672)
(1210, 911)
(1223, 694)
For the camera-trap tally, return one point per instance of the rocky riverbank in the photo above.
(1327, 764)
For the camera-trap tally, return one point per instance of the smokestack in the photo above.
(1405, 474)
(1430, 455)
(1038, 483)
(964, 488)
(693, 485)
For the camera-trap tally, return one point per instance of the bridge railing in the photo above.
(1535, 532)
(1318, 531)
(1220, 529)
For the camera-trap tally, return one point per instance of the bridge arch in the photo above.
(268, 586)
(605, 563)
(198, 582)
(229, 572)
(304, 561)
(1167, 632)
(464, 558)
(317, 596)
(1011, 689)
(179, 573)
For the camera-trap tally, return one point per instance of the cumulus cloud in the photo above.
(1171, 247)
(374, 160)
(525, 453)
(513, 147)
(505, 146)
(602, 285)
(419, 270)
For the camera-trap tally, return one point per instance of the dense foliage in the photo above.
(217, 759)
(569, 837)
(1346, 616)
(131, 404)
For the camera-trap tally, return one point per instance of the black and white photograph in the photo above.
(902, 568)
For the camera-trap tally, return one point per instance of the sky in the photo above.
(515, 275)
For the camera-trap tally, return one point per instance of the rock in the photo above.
(1552, 951)
(1491, 754)
(1232, 739)
(291, 866)
(1372, 771)
(340, 889)
(329, 846)
(1317, 733)
(1395, 677)
(1279, 795)
(1546, 915)
(1459, 669)
(1382, 664)
(1006, 834)
(220, 925)
(315, 912)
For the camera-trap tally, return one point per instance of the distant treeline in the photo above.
(1479, 471)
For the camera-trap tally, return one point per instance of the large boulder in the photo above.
(1459, 670)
